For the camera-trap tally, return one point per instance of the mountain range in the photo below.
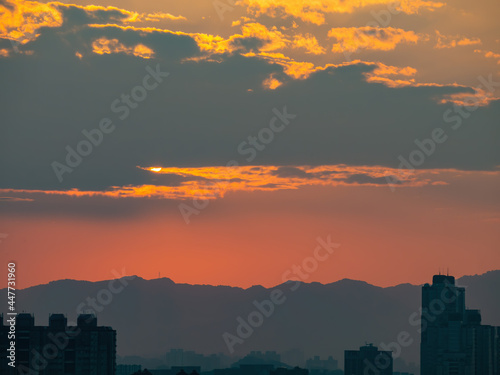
(154, 316)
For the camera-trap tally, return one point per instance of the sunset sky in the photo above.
(213, 142)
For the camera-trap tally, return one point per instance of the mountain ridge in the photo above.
(255, 285)
(321, 319)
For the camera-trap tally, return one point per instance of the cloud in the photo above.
(392, 76)
(314, 12)
(210, 104)
(107, 46)
(361, 178)
(309, 43)
(290, 172)
(15, 199)
(20, 20)
(351, 39)
(215, 182)
(452, 41)
(155, 17)
(489, 54)
(271, 83)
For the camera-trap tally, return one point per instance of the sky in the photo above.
(221, 142)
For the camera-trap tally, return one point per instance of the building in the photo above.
(245, 369)
(293, 357)
(270, 356)
(367, 360)
(183, 358)
(292, 371)
(127, 369)
(59, 349)
(316, 363)
(453, 341)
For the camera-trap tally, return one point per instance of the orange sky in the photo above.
(250, 238)
(366, 82)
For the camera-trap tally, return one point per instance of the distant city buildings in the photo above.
(127, 369)
(293, 357)
(285, 371)
(316, 363)
(182, 358)
(59, 349)
(368, 360)
(267, 356)
(453, 341)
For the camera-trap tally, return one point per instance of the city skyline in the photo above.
(453, 340)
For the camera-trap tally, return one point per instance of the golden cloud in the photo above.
(351, 39)
(452, 41)
(215, 182)
(271, 83)
(20, 20)
(107, 46)
(314, 11)
(309, 43)
(489, 54)
(479, 98)
(154, 17)
(392, 76)
(271, 39)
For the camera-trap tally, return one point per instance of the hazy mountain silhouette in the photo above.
(153, 316)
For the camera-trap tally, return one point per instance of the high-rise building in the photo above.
(367, 360)
(453, 341)
(59, 349)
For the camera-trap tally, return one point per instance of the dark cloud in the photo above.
(204, 110)
(73, 16)
(248, 44)
(292, 172)
(362, 178)
(15, 199)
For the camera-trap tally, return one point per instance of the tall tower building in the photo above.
(453, 341)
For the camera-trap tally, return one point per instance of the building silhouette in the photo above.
(453, 341)
(317, 364)
(127, 369)
(367, 360)
(182, 358)
(293, 357)
(59, 349)
(286, 371)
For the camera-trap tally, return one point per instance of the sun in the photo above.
(155, 169)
